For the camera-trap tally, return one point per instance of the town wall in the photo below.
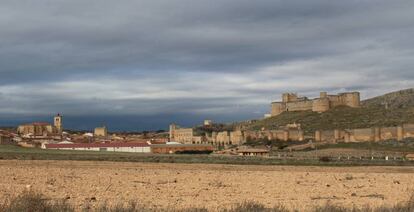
(277, 135)
(222, 138)
(408, 131)
(365, 134)
(290, 133)
(327, 136)
(375, 134)
(237, 137)
(388, 133)
(295, 135)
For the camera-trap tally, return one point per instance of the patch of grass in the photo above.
(32, 201)
(252, 206)
(36, 202)
(395, 146)
(19, 153)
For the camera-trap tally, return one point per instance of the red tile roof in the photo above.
(96, 145)
(38, 124)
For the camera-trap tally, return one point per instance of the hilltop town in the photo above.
(287, 124)
(80, 166)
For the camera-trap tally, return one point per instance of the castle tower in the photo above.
(320, 105)
(351, 99)
(58, 123)
(289, 97)
(277, 108)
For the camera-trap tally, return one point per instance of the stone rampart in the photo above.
(375, 134)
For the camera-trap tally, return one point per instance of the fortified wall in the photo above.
(292, 132)
(375, 134)
(291, 102)
(239, 137)
(366, 134)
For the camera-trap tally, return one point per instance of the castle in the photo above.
(291, 102)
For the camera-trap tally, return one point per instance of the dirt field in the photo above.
(201, 185)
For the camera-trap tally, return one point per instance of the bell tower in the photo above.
(58, 123)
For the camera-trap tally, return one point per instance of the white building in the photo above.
(106, 147)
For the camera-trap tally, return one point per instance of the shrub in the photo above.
(251, 206)
(325, 159)
(32, 201)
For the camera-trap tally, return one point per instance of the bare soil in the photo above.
(206, 185)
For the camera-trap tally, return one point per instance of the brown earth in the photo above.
(211, 186)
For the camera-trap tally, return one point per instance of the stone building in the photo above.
(42, 128)
(226, 138)
(181, 135)
(58, 123)
(292, 102)
(101, 132)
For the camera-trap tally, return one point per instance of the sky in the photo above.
(142, 64)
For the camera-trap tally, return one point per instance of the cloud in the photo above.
(200, 58)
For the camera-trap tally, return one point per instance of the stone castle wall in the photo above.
(375, 134)
(239, 137)
(299, 106)
(291, 102)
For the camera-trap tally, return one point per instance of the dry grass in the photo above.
(35, 202)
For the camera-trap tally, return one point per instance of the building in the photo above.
(208, 122)
(103, 147)
(181, 148)
(182, 135)
(37, 129)
(58, 123)
(253, 152)
(291, 102)
(101, 132)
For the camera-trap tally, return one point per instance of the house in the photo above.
(253, 152)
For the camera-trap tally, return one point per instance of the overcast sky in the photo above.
(140, 64)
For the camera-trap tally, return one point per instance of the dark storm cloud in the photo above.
(199, 57)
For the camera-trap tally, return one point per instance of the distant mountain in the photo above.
(398, 99)
(387, 110)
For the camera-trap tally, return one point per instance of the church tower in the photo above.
(58, 123)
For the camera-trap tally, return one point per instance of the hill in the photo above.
(372, 113)
(398, 99)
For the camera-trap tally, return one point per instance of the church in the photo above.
(42, 128)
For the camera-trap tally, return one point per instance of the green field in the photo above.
(8, 152)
